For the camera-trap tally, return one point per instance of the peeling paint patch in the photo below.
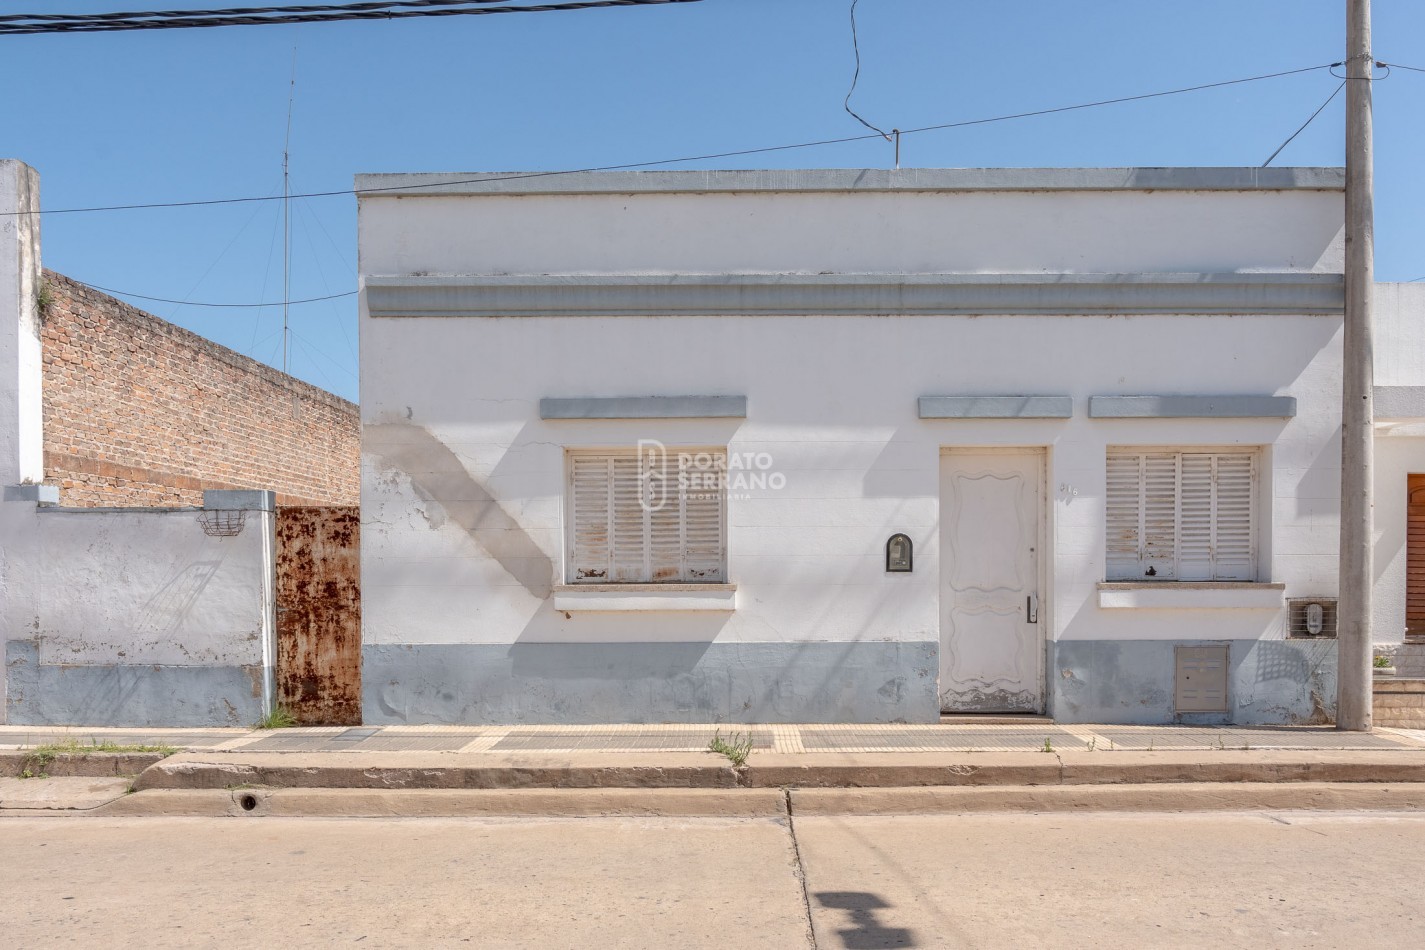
(989, 700)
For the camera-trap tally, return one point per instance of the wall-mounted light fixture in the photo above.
(900, 554)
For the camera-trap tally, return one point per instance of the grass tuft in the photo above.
(41, 757)
(737, 747)
(278, 718)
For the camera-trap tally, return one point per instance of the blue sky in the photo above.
(175, 115)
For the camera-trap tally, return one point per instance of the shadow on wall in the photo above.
(163, 613)
(450, 493)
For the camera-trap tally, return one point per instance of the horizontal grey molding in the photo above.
(996, 407)
(854, 179)
(1400, 402)
(645, 407)
(1192, 407)
(853, 294)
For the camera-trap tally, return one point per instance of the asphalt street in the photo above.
(1264, 879)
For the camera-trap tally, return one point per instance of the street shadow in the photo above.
(866, 932)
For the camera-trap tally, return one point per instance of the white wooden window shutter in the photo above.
(632, 524)
(590, 495)
(1187, 516)
(1234, 549)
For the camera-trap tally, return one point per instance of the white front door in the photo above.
(991, 650)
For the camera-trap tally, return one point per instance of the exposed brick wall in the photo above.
(139, 412)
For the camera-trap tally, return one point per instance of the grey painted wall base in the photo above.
(185, 696)
(576, 683)
(1131, 681)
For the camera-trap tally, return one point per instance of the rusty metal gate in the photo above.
(319, 615)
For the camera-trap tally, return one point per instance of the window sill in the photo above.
(1191, 595)
(673, 597)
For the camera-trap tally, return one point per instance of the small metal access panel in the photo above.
(1200, 683)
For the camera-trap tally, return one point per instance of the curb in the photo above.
(416, 771)
(81, 765)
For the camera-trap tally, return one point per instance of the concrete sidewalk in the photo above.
(668, 770)
(1000, 735)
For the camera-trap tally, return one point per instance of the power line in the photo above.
(738, 153)
(195, 303)
(1336, 92)
(30, 24)
(1413, 69)
(238, 11)
(856, 77)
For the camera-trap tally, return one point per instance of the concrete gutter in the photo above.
(482, 771)
(728, 803)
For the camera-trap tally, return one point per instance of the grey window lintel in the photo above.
(1192, 407)
(996, 407)
(644, 407)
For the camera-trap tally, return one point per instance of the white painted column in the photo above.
(21, 409)
(21, 385)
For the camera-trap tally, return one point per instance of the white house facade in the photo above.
(862, 445)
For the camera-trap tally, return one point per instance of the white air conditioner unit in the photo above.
(1311, 617)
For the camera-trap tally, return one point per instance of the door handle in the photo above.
(1031, 608)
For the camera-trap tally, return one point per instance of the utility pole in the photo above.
(1353, 636)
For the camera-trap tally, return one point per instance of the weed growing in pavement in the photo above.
(1048, 746)
(737, 747)
(38, 760)
(1093, 743)
(278, 718)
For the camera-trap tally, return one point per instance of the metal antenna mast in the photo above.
(287, 219)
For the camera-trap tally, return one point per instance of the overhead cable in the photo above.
(30, 24)
(856, 77)
(629, 166)
(196, 303)
(1322, 108)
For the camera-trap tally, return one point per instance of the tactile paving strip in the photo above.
(1142, 738)
(940, 739)
(679, 741)
(364, 739)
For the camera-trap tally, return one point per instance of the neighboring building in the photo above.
(146, 576)
(1398, 620)
(995, 440)
(140, 412)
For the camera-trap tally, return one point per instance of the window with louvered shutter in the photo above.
(1185, 516)
(632, 522)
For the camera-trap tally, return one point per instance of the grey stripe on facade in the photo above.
(854, 180)
(139, 695)
(995, 407)
(579, 683)
(854, 295)
(644, 407)
(1400, 402)
(1192, 407)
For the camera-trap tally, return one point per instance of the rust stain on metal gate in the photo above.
(319, 614)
